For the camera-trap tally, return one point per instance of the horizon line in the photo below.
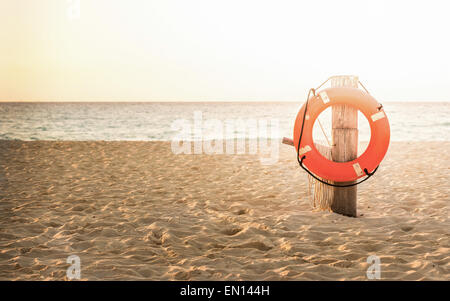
(198, 101)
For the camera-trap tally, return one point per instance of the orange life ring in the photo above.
(342, 171)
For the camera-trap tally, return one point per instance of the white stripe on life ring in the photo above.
(358, 170)
(378, 116)
(304, 150)
(324, 97)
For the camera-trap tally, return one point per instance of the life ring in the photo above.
(342, 171)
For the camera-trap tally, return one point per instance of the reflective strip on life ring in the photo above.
(343, 171)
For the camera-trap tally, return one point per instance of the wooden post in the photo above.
(287, 141)
(344, 146)
(322, 194)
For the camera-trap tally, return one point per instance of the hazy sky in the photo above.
(143, 50)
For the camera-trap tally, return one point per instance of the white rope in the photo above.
(323, 131)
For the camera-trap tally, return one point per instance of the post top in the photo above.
(350, 81)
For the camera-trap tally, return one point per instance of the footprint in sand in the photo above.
(406, 228)
(231, 231)
(242, 211)
(255, 245)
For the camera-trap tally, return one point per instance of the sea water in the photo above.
(147, 121)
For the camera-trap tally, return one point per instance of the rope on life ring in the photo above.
(342, 171)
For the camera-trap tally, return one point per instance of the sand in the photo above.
(135, 211)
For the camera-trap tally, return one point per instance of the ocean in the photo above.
(149, 121)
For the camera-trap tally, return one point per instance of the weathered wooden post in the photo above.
(344, 146)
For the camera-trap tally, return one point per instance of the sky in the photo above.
(207, 50)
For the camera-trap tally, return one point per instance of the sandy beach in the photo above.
(136, 211)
